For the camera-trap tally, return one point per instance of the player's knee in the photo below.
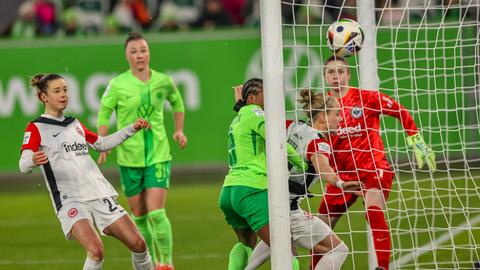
(96, 252)
(138, 245)
(341, 250)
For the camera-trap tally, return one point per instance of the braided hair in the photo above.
(252, 86)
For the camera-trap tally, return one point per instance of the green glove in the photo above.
(423, 153)
(295, 159)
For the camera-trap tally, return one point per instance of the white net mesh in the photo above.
(428, 60)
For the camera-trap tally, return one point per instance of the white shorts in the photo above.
(307, 230)
(102, 212)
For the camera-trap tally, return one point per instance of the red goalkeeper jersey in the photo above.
(358, 146)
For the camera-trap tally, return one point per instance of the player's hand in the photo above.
(237, 90)
(102, 158)
(180, 138)
(39, 158)
(141, 123)
(423, 153)
(354, 187)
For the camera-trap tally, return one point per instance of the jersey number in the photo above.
(111, 206)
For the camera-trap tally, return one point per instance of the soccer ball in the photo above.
(345, 37)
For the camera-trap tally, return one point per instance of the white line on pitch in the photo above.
(432, 245)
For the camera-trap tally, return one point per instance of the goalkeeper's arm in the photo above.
(423, 153)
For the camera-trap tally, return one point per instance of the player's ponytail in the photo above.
(315, 103)
(252, 86)
(40, 83)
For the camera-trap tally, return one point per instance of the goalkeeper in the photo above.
(359, 153)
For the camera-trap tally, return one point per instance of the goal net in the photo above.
(429, 60)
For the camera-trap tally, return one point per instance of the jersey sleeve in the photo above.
(174, 97)
(388, 106)
(107, 105)
(90, 136)
(288, 123)
(258, 121)
(318, 146)
(31, 138)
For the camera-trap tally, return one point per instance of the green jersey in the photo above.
(246, 149)
(132, 98)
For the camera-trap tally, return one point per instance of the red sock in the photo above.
(314, 260)
(381, 235)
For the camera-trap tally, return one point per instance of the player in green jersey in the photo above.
(244, 196)
(145, 159)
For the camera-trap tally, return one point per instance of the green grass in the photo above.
(31, 237)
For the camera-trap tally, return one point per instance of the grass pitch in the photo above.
(31, 237)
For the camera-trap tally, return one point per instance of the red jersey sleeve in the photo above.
(387, 105)
(318, 146)
(90, 136)
(31, 138)
(288, 123)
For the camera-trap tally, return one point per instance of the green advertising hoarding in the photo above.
(205, 66)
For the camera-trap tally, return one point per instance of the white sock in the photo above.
(259, 256)
(141, 261)
(334, 258)
(91, 264)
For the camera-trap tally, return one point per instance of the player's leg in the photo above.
(76, 222)
(264, 234)
(333, 250)
(375, 205)
(332, 206)
(84, 232)
(378, 186)
(240, 252)
(260, 254)
(157, 182)
(132, 185)
(125, 230)
(311, 233)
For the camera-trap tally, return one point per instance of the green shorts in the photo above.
(244, 207)
(135, 180)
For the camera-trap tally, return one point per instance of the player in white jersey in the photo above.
(80, 194)
(310, 140)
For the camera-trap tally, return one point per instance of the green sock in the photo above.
(145, 230)
(295, 263)
(239, 256)
(162, 235)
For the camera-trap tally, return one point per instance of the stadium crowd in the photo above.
(43, 18)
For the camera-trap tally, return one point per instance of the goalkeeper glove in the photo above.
(423, 153)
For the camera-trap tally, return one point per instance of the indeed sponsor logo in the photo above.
(349, 130)
(74, 147)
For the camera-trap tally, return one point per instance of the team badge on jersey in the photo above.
(356, 112)
(258, 112)
(323, 147)
(72, 212)
(80, 131)
(26, 137)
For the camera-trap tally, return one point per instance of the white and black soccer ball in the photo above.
(345, 37)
